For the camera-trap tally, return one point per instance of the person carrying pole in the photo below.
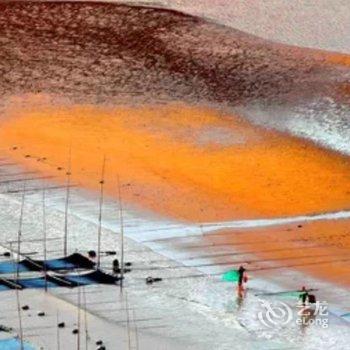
(242, 278)
(304, 295)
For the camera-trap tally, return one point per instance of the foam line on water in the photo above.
(208, 227)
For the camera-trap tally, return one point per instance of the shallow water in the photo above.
(189, 309)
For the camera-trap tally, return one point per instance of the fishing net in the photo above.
(231, 276)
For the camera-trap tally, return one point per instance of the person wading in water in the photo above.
(304, 295)
(242, 278)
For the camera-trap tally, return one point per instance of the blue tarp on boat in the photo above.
(74, 261)
(14, 344)
(55, 280)
(38, 283)
(4, 288)
(71, 262)
(7, 267)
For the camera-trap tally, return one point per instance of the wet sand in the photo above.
(184, 162)
(197, 164)
(320, 249)
(71, 79)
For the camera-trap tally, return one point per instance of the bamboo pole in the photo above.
(99, 232)
(68, 180)
(121, 221)
(79, 317)
(17, 273)
(87, 338)
(19, 320)
(19, 234)
(44, 238)
(58, 331)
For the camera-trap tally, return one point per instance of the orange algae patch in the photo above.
(185, 162)
(341, 59)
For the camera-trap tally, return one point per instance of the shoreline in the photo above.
(205, 301)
